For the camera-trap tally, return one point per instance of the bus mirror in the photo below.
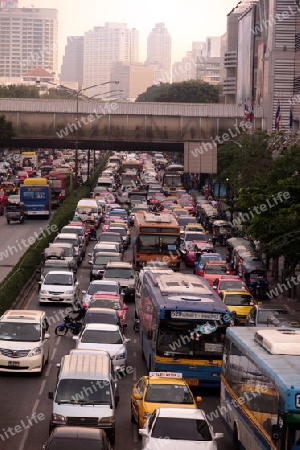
(149, 334)
(275, 433)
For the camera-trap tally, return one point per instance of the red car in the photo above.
(21, 176)
(229, 283)
(213, 269)
(111, 301)
(193, 249)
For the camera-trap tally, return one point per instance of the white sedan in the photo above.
(178, 429)
(59, 286)
(108, 337)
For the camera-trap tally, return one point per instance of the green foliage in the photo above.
(19, 91)
(192, 91)
(6, 129)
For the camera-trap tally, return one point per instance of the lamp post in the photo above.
(77, 92)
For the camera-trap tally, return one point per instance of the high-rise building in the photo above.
(134, 78)
(72, 65)
(9, 3)
(104, 46)
(159, 51)
(28, 40)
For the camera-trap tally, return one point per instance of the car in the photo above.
(123, 273)
(212, 269)
(81, 233)
(99, 262)
(179, 429)
(53, 264)
(107, 337)
(259, 314)
(159, 389)
(122, 231)
(118, 212)
(107, 286)
(192, 236)
(111, 237)
(239, 303)
(114, 302)
(203, 258)
(193, 249)
(24, 341)
(227, 283)
(102, 315)
(77, 437)
(110, 247)
(69, 253)
(74, 239)
(59, 286)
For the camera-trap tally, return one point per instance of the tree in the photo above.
(19, 91)
(192, 91)
(6, 129)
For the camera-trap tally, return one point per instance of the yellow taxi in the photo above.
(157, 390)
(238, 302)
(194, 227)
(123, 225)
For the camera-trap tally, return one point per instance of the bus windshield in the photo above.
(151, 243)
(185, 339)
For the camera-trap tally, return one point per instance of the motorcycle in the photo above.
(69, 324)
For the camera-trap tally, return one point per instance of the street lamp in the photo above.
(77, 92)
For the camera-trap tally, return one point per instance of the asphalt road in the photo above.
(15, 239)
(23, 395)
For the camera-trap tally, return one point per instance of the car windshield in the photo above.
(116, 272)
(77, 231)
(178, 428)
(59, 279)
(83, 391)
(27, 332)
(194, 236)
(98, 317)
(93, 288)
(67, 241)
(107, 237)
(101, 337)
(106, 303)
(121, 231)
(216, 269)
(172, 393)
(239, 300)
(105, 259)
(231, 285)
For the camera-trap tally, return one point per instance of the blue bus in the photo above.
(182, 327)
(260, 388)
(35, 193)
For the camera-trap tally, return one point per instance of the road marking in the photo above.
(30, 298)
(25, 435)
(53, 352)
(42, 387)
(134, 377)
(48, 370)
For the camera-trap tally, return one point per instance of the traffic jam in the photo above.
(165, 263)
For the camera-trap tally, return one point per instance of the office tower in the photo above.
(104, 46)
(134, 79)
(9, 3)
(72, 65)
(159, 51)
(28, 40)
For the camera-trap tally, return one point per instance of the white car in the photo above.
(178, 429)
(100, 286)
(107, 337)
(59, 286)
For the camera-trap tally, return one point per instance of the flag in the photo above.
(291, 118)
(277, 117)
(246, 112)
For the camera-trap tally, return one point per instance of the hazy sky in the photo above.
(186, 20)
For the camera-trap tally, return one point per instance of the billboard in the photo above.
(245, 58)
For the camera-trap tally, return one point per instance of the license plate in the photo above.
(13, 363)
(55, 298)
(192, 381)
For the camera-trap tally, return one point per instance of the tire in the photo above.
(236, 445)
(132, 418)
(61, 330)
(8, 221)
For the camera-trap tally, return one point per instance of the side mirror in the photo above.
(75, 338)
(218, 435)
(47, 336)
(50, 395)
(90, 263)
(127, 341)
(83, 292)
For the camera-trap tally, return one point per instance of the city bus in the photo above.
(35, 193)
(173, 178)
(131, 164)
(182, 325)
(29, 159)
(157, 238)
(61, 185)
(260, 388)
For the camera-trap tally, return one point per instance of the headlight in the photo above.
(94, 272)
(35, 351)
(108, 421)
(44, 292)
(69, 292)
(120, 355)
(58, 419)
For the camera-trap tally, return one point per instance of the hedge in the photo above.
(12, 285)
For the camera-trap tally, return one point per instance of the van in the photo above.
(24, 341)
(106, 182)
(85, 379)
(88, 207)
(71, 238)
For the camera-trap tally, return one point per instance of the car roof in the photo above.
(78, 432)
(60, 272)
(105, 311)
(104, 282)
(101, 326)
(182, 413)
(119, 264)
(236, 292)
